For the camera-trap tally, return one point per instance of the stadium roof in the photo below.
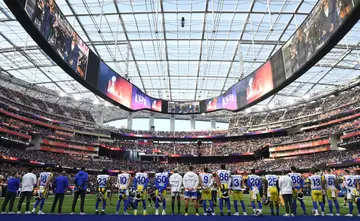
(221, 42)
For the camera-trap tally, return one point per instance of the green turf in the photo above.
(90, 206)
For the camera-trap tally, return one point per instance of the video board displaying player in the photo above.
(57, 31)
(184, 107)
(114, 86)
(314, 32)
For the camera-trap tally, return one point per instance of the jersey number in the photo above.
(43, 179)
(350, 182)
(254, 182)
(331, 181)
(224, 176)
(102, 181)
(272, 181)
(206, 179)
(123, 180)
(296, 179)
(236, 182)
(316, 182)
(160, 179)
(141, 180)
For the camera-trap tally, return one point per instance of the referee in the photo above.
(27, 188)
(61, 185)
(13, 184)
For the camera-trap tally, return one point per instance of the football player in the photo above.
(271, 192)
(176, 181)
(317, 192)
(102, 185)
(191, 183)
(140, 183)
(330, 184)
(236, 186)
(214, 190)
(161, 182)
(43, 191)
(223, 180)
(206, 182)
(350, 183)
(298, 183)
(123, 182)
(254, 184)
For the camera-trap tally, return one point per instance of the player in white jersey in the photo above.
(175, 181)
(123, 182)
(317, 192)
(223, 180)
(254, 183)
(298, 183)
(329, 184)
(141, 181)
(43, 190)
(102, 185)
(191, 183)
(236, 186)
(161, 182)
(271, 192)
(206, 183)
(350, 183)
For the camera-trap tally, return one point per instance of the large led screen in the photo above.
(227, 101)
(114, 86)
(57, 31)
(317, 28)
(184, 107)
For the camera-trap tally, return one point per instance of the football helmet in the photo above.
(138, 195)
(300, 196)
(265, 201)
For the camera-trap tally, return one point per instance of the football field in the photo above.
(111, 209)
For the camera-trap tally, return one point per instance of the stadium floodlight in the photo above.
(96, 102)
(62, 94)
(107, 104)
(248, 110)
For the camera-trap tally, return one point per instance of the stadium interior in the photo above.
(127, 86)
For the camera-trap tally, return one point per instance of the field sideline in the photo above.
(90, 206)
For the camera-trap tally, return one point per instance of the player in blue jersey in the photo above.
(103, 184)
(123, 182)
(224, 180)
(43, 184)
(141, 181)
(161, 182)
(298, 183)
(254, 183)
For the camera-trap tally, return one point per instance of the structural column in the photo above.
(130, 121)
(213, 124)
(151, 121)
(192, 122)
(172, 123)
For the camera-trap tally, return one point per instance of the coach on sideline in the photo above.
(81, 179)
(285, 186)
(61, 185)
(27, 188)
(13, 184)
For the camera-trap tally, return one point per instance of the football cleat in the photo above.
(18, 212)
(144, 213)
(350, 215)
(236, 214)
(41, 213)
(156, 212)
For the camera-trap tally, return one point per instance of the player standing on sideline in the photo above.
(140, 183)
(329, 184)
(43, 191)
(350, 183)
(237, 184)
(102, 185)
(206, 182)
(191, 182)
(214, 190)
(223, 179)
(80, 181)
(161, 182)
(316, 192)
(123, 182)
(298, 183)
(175, 183)
(272, 193)
(254, 184)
